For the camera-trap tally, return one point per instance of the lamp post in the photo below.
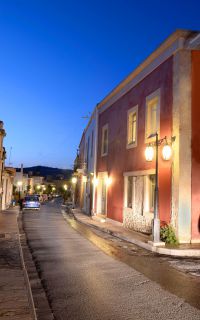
(149, 153)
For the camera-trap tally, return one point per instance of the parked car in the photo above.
(31, 202)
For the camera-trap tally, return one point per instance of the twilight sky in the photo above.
(58, 59)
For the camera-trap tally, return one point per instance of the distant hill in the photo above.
(48, 172)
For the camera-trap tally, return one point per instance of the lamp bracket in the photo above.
(160, 141)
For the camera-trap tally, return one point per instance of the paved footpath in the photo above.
(14, 303)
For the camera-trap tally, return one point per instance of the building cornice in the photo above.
(171, 45)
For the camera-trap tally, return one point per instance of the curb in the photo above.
(36, 294)
(30, 296)
(188, 253)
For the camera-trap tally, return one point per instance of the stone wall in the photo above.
(137, 222)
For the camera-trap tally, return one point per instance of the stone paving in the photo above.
(14, 303)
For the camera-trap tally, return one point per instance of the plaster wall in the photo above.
(181, 195)
(195, 146)
(88, 135)
(89, 155)
(7, 191)
(119, 158)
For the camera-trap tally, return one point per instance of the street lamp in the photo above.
(74, 181)
(65, 187)
(95, 181)
(149, 154)
(108, 181)
(65, 193)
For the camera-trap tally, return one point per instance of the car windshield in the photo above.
(33, 198)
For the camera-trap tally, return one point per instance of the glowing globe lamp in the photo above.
(166, 152)
(149, 153)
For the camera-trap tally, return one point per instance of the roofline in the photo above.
(176, 35)
(180, 34)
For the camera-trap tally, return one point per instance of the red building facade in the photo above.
(120, 158)
(160, 95)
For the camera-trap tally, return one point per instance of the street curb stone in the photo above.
(36, 293)
(192, 253)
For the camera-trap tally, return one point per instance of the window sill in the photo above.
(148, 214)
(131, 145)
(104, 154)
(128, 209)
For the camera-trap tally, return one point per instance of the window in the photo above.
(132, 128)
(139, 192)
(129, 192)
(152, 114)
(104, 146)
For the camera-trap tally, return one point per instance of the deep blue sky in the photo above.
(59, 58)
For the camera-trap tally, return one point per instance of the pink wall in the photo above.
(195, 145)
(119, 159)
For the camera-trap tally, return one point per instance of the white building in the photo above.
(7, 180)
(87, 169)
(21, 182)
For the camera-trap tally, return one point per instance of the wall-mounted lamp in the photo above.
(95, 181)
(108, 181)
(149, 153)
(74, 180)
(19, 183)
(65, 187)
(166, 152)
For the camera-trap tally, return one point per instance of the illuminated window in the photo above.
(152, 114)
(132, 128)
(104, 146)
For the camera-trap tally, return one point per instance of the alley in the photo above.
(82, 282)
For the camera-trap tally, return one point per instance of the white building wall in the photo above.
(7, 189)
(89, 158)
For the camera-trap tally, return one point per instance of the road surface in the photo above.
(83, 282)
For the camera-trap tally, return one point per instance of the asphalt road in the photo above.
(87, 281)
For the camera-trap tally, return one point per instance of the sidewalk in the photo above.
(14, 300)
(117, 230)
